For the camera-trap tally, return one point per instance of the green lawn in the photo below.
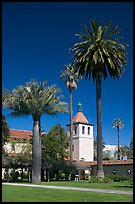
(123, 185)
(33, 194)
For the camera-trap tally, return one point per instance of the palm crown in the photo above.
(98, 51)
(117, 123)
(35, 99)
(69, 76)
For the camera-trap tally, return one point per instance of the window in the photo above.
(129, 171)
(83, 129)
(114, 171)
(88, 130)
(75, 130)
(72, 147)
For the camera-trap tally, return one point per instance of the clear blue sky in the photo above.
(36, 37)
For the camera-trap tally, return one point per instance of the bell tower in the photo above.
(82, 137)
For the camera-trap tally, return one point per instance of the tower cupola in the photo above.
(79, 107)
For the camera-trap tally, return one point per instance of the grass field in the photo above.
(30, 194)
(124, 185)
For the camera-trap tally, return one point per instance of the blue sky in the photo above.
(36, 38)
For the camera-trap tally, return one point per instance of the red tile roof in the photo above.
(111, 162)
(80, 118)
(20, 134)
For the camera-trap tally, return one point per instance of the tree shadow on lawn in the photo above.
(125, 186)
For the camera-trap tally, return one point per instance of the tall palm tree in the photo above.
(118, 124)
(95, 148)
(35, 99)
(70, 78)
(97, 55)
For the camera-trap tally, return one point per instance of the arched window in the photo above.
(83, 129)
(75, 128)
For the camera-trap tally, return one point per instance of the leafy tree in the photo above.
(35, 99)
(107, 154)
(22, 153)
(97, 55)
(5, 126)
(54, 148)
(5, 135)
(54, 145)
(5, 130)
(70, 78)
(125, 150)
(20, 156)
(117, 123)
(5, 93)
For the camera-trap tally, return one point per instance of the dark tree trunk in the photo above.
(36, 153)
(71, 128)
(100, 172)
(118, 143)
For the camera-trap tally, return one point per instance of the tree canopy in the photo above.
(54, 146)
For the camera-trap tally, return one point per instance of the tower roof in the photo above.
(79, 117)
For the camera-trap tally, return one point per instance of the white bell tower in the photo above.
(82, 137)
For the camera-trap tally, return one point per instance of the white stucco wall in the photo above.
(86, 149)
(83, 143)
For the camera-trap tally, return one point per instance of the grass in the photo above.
(123, 185)
(33, 194)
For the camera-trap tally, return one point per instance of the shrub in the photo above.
(6, 175)
(25, 176)
(94, 179)
(124, 178)
(118, 178)
(107, 180)
(14, 176)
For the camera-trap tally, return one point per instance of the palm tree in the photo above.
(70, 78)
(95, 148)
(35, 99)
(97, 55)
(118, 124)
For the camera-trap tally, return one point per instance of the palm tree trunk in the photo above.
(36, 153)
(71, 128)
(100, 172)
(118, 143)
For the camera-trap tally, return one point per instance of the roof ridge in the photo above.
(21, 130)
